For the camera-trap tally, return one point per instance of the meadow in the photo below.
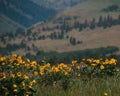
(86, 77)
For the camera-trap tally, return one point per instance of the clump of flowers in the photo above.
(15, 77)
(100, 67)
(19, 77)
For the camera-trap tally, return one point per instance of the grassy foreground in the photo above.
(108, 86)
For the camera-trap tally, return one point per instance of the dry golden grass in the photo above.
(96, 38)
(91, 39)
(90, 9)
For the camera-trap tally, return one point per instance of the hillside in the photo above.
(89, 10)
(7, 25)
(96, 25)
(24, 12)
(14, 14)
(85, 12)
(96, 38)
(61, 5)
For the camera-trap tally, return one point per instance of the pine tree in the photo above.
(100, 21)
(92, 25)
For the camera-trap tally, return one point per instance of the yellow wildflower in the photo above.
(79, 75)
(55, 69)
(65, 73)
(27, 65)
(26, 94)
(102, 67)
(19, 74)
(89, 60)
(34, 63)
(74, 62)
(105, 94)
(12, 75)
(19, 59)
(23, 84)
(106, 61)
(113, 61)
(78, 67)
(34, 81)
(25, 76)
(47, 65)
(4, 75)
(14, 55)
(93, 65)
(14, 86)
(42, 73)
(97, 61)
(30, 85)
(3, 58)
(35, 73)
(28, 60)
(3, 63)
(15, 90)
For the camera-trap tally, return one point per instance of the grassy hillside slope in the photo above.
(90, 9)
(7, 25)
(16, 14)
(61, 5)
(91, 38)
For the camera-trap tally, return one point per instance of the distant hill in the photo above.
(58, 5)
(69, 23)
(7, 25)
(89, 10)
(25, 12)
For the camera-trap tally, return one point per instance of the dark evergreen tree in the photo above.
(76, 24)
(43, 37)
(100, 21)
(105, 23)
(73, 41)
(93, 24)
(109, 21)
(81, 27)
(53, 35)
(85, 23)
